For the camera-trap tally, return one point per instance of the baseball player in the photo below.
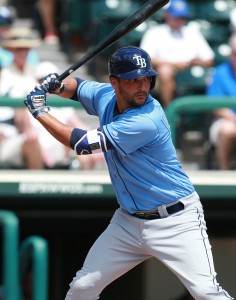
(160, 214)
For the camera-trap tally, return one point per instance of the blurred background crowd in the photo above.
(192, 45)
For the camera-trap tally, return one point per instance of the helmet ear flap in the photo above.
(153, 82)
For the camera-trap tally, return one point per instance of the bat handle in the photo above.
(65, 74)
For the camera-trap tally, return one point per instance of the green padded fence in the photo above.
(34, 257)
(190, 104)
(51, 101)
(10, 289)
(16, 259)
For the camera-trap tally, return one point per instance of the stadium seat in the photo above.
(192, 81)
(194, 7)
(217, 10)
(111, 9)
(215, 34)
(94, 19)
(78, 15)
(222, 53)
(107, 15)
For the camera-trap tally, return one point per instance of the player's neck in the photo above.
(116, 110)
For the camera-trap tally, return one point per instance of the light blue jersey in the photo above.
(143, 167)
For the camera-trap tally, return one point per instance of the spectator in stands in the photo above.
(222, 132)
(18, 149)
(175, 46)
(47, 9)
(18, 75)
(6, 20)
(54, 153)
(6, 23)
(19, 146)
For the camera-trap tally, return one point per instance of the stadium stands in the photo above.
(93, 20)
(222, 52)
(89, 21)
(192, 81)
(216, 10)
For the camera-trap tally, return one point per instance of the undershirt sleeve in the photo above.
(75, 96)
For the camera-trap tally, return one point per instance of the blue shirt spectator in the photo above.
(223, 81)
(7, 57)
(222, 132)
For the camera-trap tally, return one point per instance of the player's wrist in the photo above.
(52, 85)
(40, 111)
(60, 90)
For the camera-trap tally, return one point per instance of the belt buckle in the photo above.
(140, 214)
(148, 214)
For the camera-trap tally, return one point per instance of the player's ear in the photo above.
(114, 82)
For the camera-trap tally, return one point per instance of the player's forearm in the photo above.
(70, 87)
(58, 130)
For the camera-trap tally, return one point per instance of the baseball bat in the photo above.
(125, 27)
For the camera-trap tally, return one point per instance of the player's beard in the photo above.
(137, 99)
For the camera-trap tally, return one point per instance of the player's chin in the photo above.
(140, 99)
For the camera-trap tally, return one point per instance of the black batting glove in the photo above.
(51, 84)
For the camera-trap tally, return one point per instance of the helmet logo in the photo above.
(140, 61)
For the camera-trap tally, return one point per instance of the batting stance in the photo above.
(160, 214)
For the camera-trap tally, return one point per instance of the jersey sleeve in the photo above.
(131, 132)
(90, 93)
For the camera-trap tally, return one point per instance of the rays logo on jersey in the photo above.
(140, 61)
(94, 84)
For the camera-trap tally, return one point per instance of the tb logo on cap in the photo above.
(140, 61)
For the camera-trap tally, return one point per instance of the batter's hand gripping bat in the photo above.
(125, 27)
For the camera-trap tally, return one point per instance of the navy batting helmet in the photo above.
(131, 63)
